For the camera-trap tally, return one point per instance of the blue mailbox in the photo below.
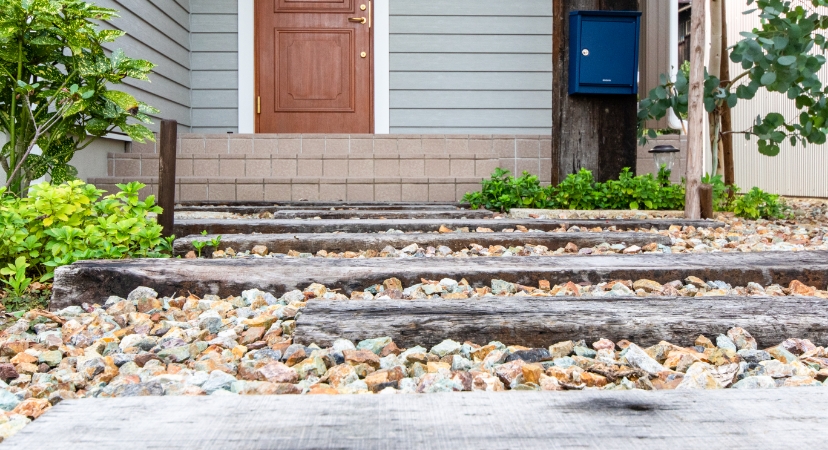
(603, 56)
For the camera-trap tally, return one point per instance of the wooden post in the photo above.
(706, 199)
(595, 132)
(166, 174)
(727, 119)
(696, 112)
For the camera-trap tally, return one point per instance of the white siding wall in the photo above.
(215, 66)
(796, 171)
(471, 66)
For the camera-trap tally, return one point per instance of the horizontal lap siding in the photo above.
(215, 64)
(158, 31)
(471, 66)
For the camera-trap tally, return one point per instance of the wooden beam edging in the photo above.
(166, 175)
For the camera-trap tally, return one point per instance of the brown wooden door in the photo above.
(314, 66)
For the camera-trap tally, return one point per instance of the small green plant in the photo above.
(56, 225)
(503, 192)
(199, 246)
(17, 282)
(723, 195)
(216, 242)
(758, 204)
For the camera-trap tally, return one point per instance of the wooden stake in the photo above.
(706, 199)
(166, 174)
(695, 138)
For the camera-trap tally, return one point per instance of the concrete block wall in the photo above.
(333, 167)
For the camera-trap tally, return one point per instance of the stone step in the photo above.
(258, 207)
(276, 226)
(540, 322)
(380, 214)
(312, 243)
(679, 420)
(95, 281)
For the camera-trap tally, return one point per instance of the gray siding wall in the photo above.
(215, 66)
(471, 66)
(158, 31)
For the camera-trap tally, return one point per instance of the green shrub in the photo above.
(580, 191)
(58, 225)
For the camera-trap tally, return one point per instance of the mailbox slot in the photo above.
(604, 47)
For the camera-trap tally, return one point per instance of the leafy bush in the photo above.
(758, 204)
(580, 191)
(58, 225)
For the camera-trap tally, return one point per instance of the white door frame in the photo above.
(247, 67)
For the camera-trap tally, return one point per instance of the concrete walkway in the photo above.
(780, 418)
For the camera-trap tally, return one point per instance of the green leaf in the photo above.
(784, 61)
(768, 78)
(122, 99)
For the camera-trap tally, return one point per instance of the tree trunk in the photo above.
(696, 112)
(596, 132)
(727, 120)
(714, 69)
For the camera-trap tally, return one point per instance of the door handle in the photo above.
(361, 20)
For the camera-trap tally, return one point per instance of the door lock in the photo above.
(363, 54)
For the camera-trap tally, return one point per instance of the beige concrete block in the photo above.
(217, 146)
(313, 146)
(277, 192)
(528, 148)
(149, 167)
(284, 168)
(527, 164)
(545, 148)
(455, 146)
(484, 167)
(385, 146)
(504, 147)
(545, 174)
(361, 168)
(437, 168)
(148, 190)
(309, 192)
(203, 167)
(434, 145)
(337, 146)
(257, 168)
(310, 167)
(480, 146)
(250, 192)
(184, 167)
(221, 192)
(192, 146)
(384, 168)
(507, 164)
(127, 167)
(231, 168)
(332, 192)
(193, 192)
(110, 167)
(290, 146)
(362, 146)
(137, 147)
(441, 193)
(412, 167)
(360, 193)
(239, 146)
(410, 146)
(462, 168)
(265, 146)
(387, 192)
(337, 168)
(414, 193)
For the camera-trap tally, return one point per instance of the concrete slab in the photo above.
(277, 226)
(726, 419)
(95, 281)
(340, 242)
(383, 214)
(539, 322)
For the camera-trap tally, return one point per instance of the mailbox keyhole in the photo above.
(585, 52)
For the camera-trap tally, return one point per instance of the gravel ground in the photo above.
(242, 346)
